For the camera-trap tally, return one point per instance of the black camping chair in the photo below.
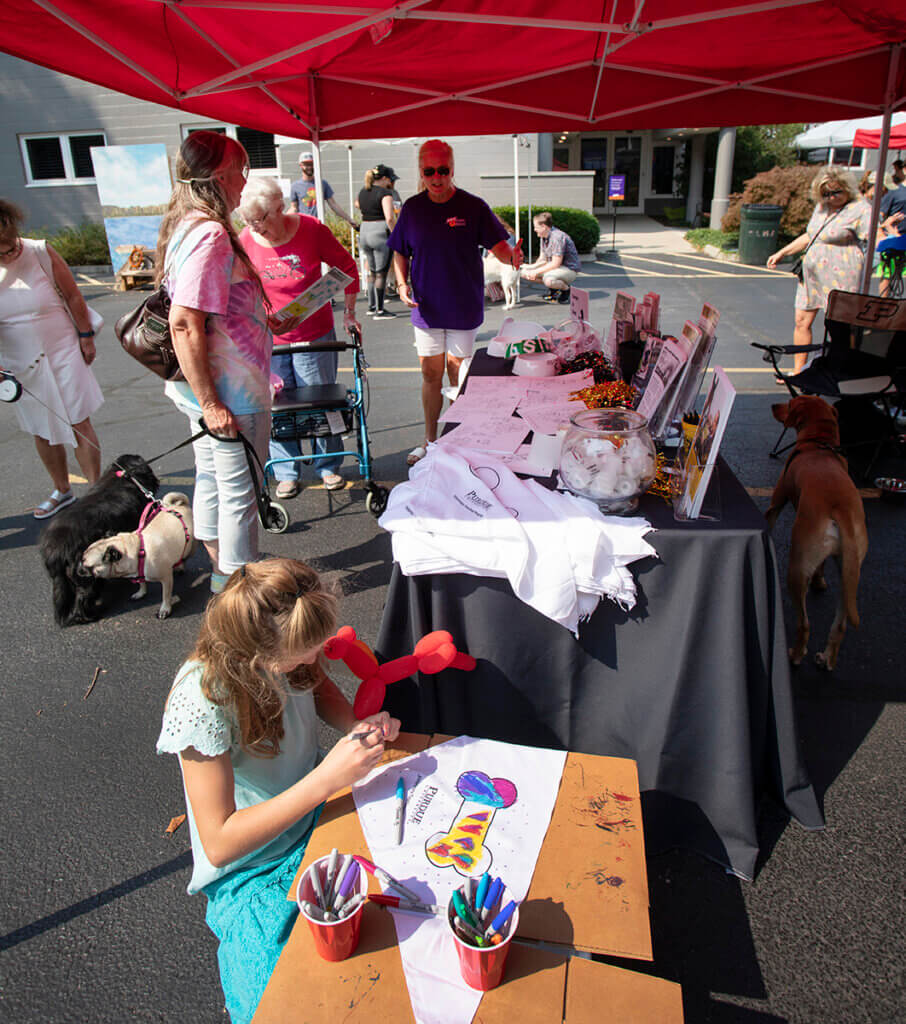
(861, 368)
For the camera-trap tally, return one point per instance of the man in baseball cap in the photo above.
(303, 197)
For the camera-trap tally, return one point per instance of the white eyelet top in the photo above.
(191, 720)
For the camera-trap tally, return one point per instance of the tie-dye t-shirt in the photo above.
(203, 273)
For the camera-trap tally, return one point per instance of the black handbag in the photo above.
(796, 268)
(145, 334)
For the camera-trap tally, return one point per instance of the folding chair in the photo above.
(861, 366)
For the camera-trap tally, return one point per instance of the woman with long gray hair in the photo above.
(222, 340)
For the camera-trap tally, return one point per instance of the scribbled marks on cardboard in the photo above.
(362, 984)
(608, 810)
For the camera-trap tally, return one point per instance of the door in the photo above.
(614, 154)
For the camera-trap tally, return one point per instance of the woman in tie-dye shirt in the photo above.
(223, 341)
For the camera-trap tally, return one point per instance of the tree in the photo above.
(761, 147)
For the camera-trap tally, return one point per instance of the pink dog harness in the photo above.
(150, 512)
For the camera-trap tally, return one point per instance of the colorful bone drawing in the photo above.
(463, 847)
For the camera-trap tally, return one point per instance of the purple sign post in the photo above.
(616, 193)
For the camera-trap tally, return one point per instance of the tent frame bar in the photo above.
(401, 11)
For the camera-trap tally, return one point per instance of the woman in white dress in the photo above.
(49, 350)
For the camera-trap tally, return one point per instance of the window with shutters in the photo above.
(59, 159)
(260, 146)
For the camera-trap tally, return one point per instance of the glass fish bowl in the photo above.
(608, 457)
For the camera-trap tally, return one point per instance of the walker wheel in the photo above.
(277, 518)
(376, 500)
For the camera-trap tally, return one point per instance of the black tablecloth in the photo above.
(693, 684)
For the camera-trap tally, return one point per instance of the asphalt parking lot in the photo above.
(95, 924)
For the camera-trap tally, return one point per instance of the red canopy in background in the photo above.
(865, 138)
(466, 67)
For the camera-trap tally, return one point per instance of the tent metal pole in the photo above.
(516, 204)
(293, 51)
(889, 97)
(106, 47)
(351, 207)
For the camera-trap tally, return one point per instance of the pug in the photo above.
(150, 554)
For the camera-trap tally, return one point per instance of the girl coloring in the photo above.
(242, 717)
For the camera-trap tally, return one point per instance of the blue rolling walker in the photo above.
(301, 413)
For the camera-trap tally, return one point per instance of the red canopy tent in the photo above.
(331, 70)
(465, 67)
(868, 139)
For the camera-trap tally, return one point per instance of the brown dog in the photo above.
(830, 519)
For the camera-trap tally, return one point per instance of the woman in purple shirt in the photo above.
(437, 261)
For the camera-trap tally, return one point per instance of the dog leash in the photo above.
(121, 470)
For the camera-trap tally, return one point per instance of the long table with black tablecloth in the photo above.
(693, 684)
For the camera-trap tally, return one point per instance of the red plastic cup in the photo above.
(481, 967)
(334, 940)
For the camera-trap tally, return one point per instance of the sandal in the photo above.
(57, 500)
(416, 455)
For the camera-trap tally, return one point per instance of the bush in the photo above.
(700, 237)
(581, 226)
(84, 246)
(784, 186)
(341, 231)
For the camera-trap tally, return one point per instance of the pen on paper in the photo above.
(400, 809)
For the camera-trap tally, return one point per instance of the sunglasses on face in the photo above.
(833, 192)
(429, 172)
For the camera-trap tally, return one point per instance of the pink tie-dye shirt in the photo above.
(203, 274)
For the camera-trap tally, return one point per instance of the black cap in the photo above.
(383, 171)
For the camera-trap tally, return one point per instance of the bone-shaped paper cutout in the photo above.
(463, 847)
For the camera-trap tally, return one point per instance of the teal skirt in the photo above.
(249, 913)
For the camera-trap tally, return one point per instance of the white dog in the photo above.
(496, 272)
(162, 542)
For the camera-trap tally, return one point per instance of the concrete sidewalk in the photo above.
(637, 233)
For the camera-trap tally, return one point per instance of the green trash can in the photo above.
(759, 225)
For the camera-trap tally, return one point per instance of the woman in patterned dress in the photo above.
(834, 245)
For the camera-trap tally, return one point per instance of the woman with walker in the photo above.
(287, 250)
(242, 716)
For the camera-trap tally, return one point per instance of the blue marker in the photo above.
(492, 896)
(400, 809)
(482, 891)
(500, 920)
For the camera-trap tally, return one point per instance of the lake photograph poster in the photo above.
(134, 188)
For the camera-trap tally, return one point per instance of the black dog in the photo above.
(113, 505)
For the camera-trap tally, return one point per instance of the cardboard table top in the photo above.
(589, 892)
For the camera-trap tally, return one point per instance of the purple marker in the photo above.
(349, 880)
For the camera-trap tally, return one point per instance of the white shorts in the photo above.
(434, 341)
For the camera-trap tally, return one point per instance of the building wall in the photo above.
(36, 100)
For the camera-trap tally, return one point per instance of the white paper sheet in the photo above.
(491, 432)
(511, 791)
(549, 418)
(545, 390)
(474, 408)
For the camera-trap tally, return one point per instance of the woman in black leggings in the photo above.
(376, 203)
